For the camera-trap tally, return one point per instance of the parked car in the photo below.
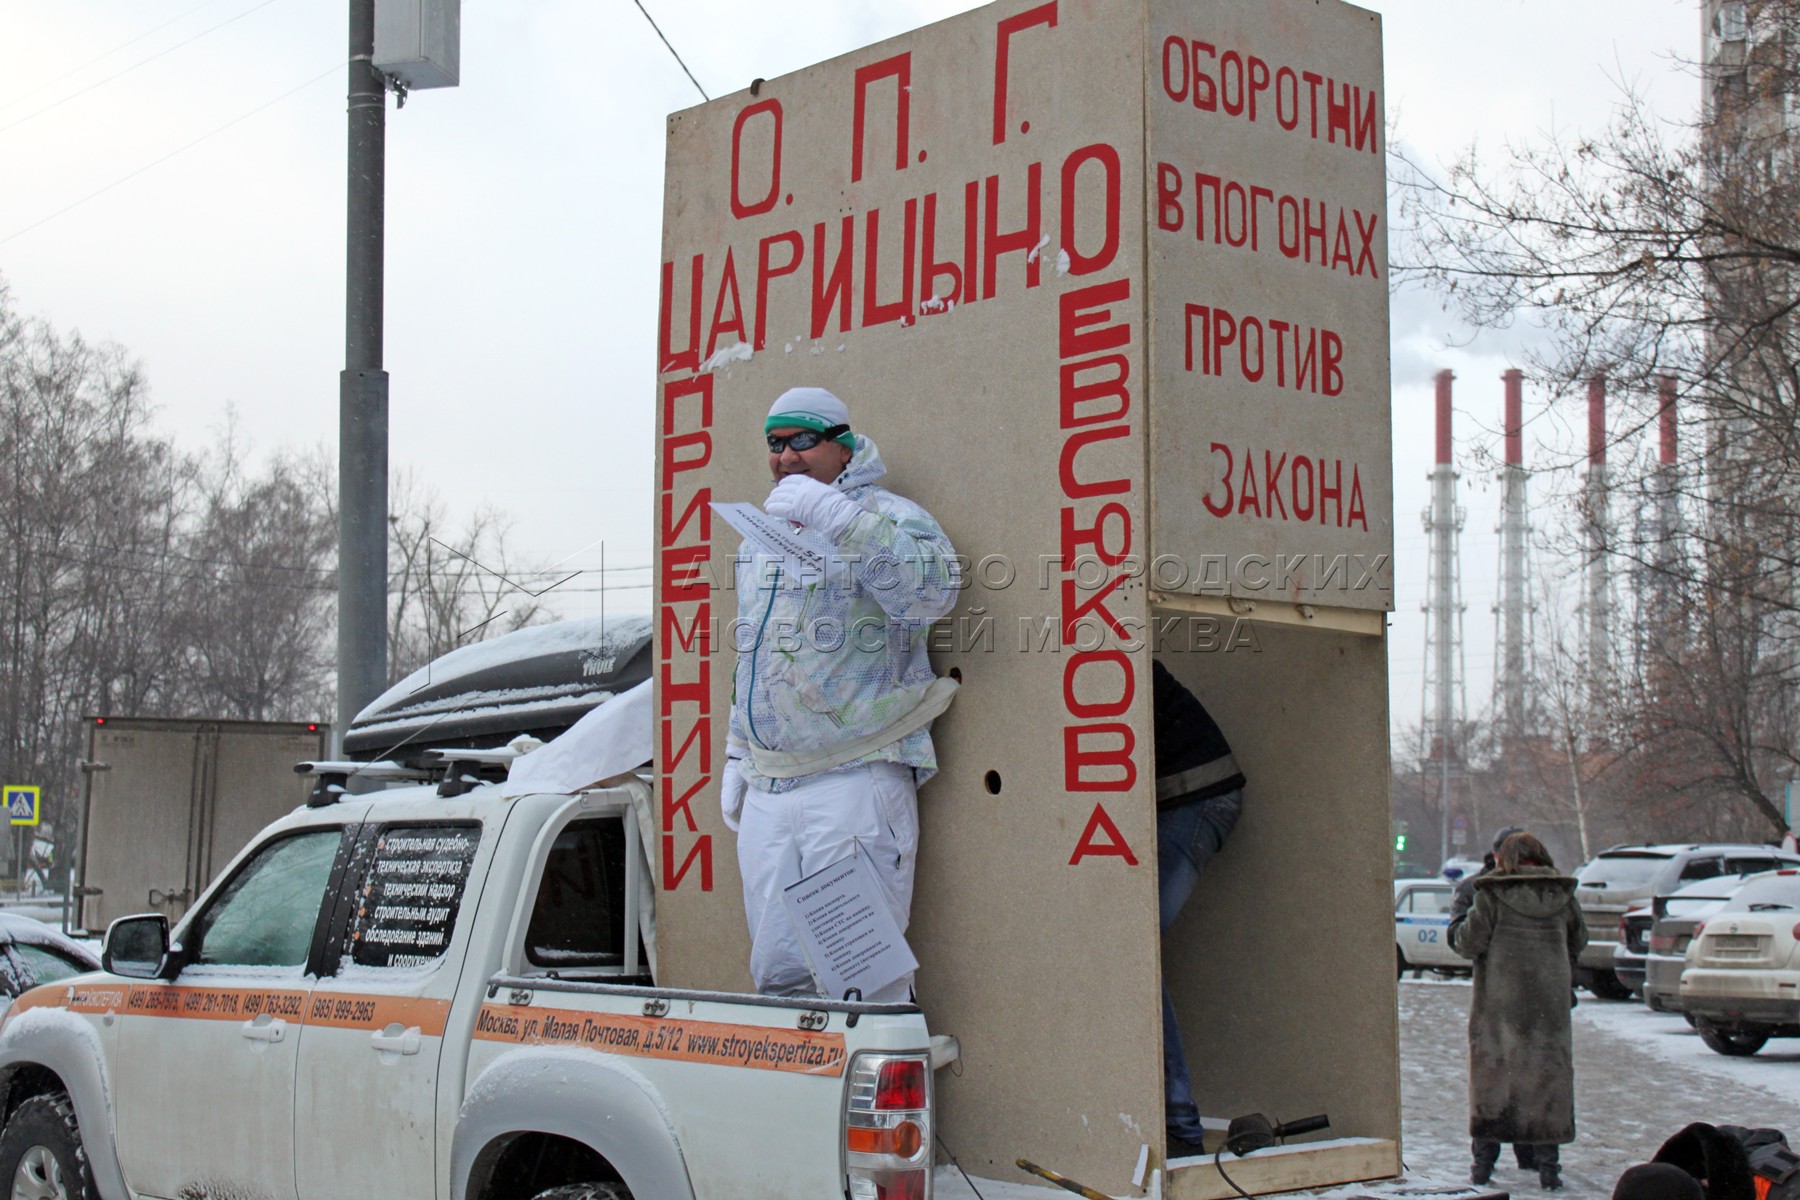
(1742, 981)
(1633, 944)
(1422, 926)
(32, 952)
(1622, 877)
(1675, 917)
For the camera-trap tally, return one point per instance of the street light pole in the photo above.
(363, 392)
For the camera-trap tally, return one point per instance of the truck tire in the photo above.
(586, 1191)
(41, 1157)
(1737, 1044)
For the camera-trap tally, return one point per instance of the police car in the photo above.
(1422, 926)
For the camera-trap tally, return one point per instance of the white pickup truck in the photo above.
(416, 996)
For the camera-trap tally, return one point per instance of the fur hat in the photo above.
(1657, 1181)
(1705, 1153)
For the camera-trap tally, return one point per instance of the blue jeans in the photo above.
(1186, 839)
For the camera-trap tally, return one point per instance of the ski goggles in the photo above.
(804, 439)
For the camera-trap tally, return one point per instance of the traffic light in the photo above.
(1399, 837)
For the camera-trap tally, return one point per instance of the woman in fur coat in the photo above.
(1523, 932)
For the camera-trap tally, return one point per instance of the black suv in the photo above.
(1623, 877)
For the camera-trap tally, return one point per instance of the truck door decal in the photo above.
(753, 1046)
(215, 1004)
(337, 1010)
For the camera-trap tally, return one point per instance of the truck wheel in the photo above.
(1735, 1044)
(586, 1191)
(40, 1152)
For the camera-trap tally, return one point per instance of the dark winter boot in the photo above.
(1549, 1168)
(1486, 1155)
(1525, 1154)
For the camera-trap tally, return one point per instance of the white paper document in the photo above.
(807, 550)
(845, 928)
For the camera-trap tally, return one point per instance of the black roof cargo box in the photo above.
(538, 681)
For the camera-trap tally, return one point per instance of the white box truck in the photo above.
(169, 802)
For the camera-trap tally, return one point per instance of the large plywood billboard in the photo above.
(956, 232)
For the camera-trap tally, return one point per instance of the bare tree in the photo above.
(262, 550)
(89, 513)
(449, 583)
(1660, 250)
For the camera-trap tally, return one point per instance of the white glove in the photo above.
(731, 792)
(817, 506)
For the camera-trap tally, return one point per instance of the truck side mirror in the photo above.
(137, 947)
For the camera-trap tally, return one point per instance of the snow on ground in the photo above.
(1639, 1077)
(1774, 1069)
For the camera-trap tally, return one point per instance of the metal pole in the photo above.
(362, 393)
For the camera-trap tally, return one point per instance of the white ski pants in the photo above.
(784, 837)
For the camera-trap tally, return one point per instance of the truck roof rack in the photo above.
(455, 769)
(333, 777)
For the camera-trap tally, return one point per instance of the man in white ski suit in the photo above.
(832, 696)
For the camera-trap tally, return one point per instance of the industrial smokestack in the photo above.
(1444, 455)
(1444, 703)
(1597, 421)
(1665, 416)
(1510, 652)
(1599, 581)
(1514, 426)
(1666, 488)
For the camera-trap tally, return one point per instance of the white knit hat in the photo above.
(810, 408)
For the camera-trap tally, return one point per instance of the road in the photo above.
(1639, 1077)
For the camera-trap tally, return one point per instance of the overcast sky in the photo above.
(174, 181)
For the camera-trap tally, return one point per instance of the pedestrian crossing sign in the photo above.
(22, 804)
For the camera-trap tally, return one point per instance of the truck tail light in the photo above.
(887, 1128)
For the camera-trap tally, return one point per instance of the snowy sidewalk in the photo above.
(1639, 1077)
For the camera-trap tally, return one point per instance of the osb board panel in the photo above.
(1034, 917)
(1286, 1169)
(1281, 964)
(1269, 315)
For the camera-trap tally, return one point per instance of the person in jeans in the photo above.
(1199, 794)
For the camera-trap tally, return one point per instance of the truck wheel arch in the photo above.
(581, 1096)
(64, 1060)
